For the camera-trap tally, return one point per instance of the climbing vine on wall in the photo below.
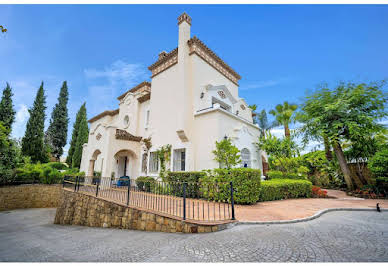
(164, 155)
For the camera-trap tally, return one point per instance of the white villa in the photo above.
(191, 102)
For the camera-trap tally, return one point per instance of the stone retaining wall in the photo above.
(81, 209)
(29, 196)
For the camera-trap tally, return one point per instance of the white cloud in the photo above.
(118, 72)
(261, 84)
(105, 85)
(21, 118)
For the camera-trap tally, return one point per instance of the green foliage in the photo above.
(274, 174)
(262, 121)
(164, 154)
(176, 180)
(283, 114)
(57, 165)
(278, 147)
(382, 185)
(348, 113)
(226, 154)
(56, 135)
(9, 155)
(277, 189)
(246, 184)
(82, 137)
(378, 164)
(7, 112)
(74, 136)
(145, 183)
(33, 140)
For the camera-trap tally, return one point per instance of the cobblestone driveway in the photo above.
(29, 235)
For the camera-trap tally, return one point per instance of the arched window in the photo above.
(245, 158)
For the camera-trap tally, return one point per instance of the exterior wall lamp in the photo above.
(202, 94)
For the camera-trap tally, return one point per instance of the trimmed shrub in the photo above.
(145, 183)
(246, 185)
(277, 189)
(274, 174)
(175, 183)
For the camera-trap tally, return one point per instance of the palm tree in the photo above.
(283, 114)
(263, 123)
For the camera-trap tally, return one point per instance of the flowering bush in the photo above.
(317, 192)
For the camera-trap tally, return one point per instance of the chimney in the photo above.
(184, 24)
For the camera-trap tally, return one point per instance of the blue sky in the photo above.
(281, 51)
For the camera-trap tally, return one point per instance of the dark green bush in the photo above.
(378, 164)
(277, 189)
(145, 183)
(382, 185)
(246, 185)
(175, 183)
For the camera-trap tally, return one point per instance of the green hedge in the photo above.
(274, 174)
(277, 189)
(145, 183)
(176, 180)
(246, 185)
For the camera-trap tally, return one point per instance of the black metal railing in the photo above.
(200, 201)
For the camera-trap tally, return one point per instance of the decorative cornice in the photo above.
(124, 135)
(105, 113)
(144, 98)
(184, 17)
(145, 84)
(199, 48)
(165, 61)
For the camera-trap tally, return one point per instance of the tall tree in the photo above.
(56, 135)
(74, 135)
(263, 122)
(33, 140)
(226, 153)
(283, 114)
(3, 29)
(346, 113)
(7, 112)
(82, 137)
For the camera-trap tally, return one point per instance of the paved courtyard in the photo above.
(29, 235)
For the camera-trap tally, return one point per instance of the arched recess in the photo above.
(246, 158)
(92, 162)
(125, 162)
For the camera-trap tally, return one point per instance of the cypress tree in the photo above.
(33, 140)
(56, 135)
(82, 137)
(74, 135)
(7, 113)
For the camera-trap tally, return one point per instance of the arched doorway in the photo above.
(245, 158)
(92, 162)
(124, 163)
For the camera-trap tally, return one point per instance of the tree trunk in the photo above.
(345, 168)
(287, 131)
(329, 155)
(343, 165)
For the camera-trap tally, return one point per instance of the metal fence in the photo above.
(200, 201)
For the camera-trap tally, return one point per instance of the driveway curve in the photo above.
(344, 236)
